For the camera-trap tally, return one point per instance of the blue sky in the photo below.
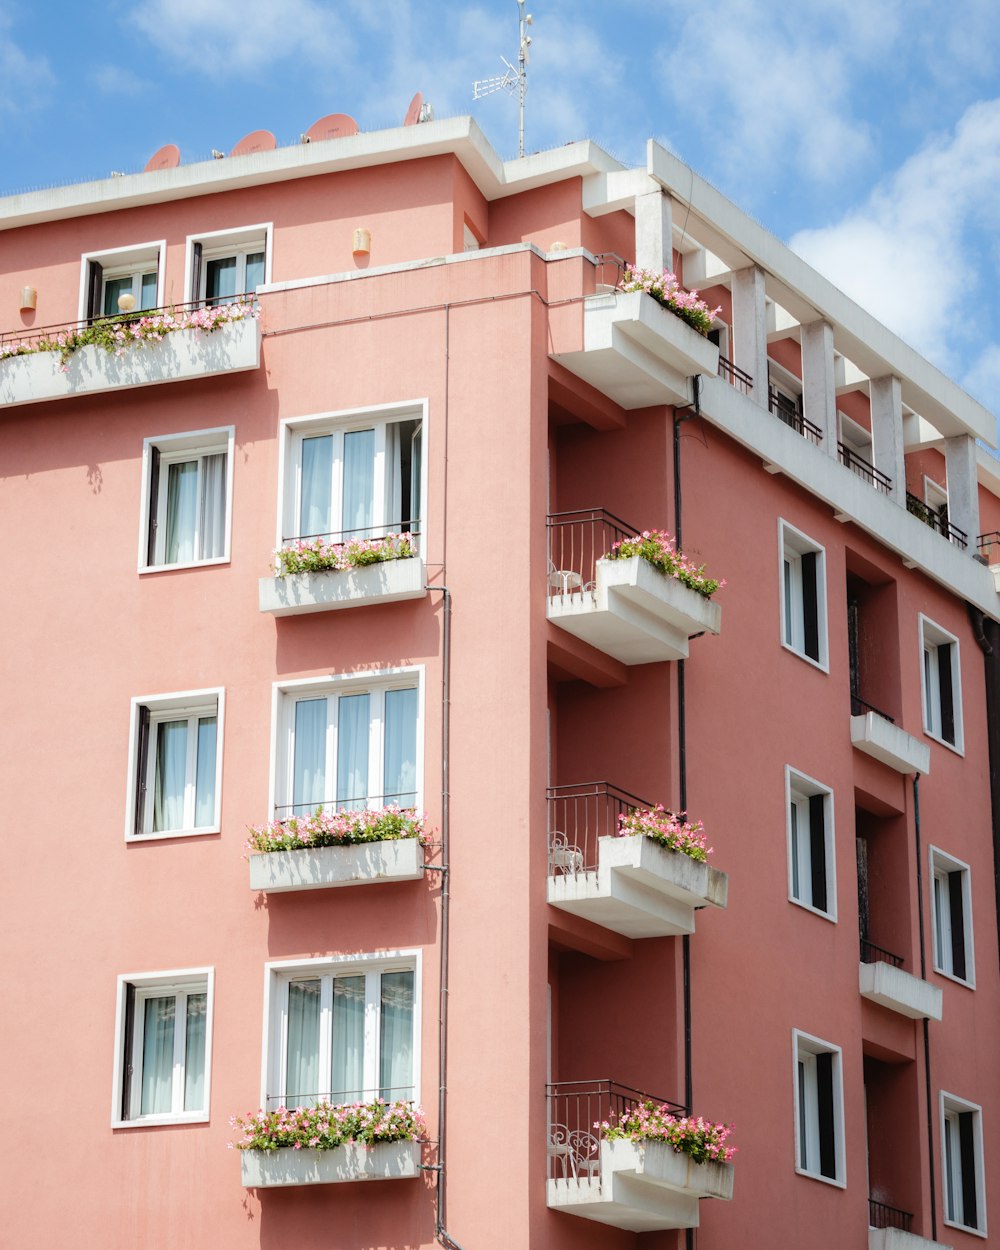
(866, 133)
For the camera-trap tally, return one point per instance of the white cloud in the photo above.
(25, 81)
(114, 80)
(983, 379)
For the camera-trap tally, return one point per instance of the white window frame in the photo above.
(190, 445)
(240, 241)
(942, 866)
(294, 429)
(285, 694)
(792, 545)
(149, 985)
(278, 974)
(804, 1046)
(932, 636)
(174, 706)
(117, 262)
(951, 1107)
(799, 788)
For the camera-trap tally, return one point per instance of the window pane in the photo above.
(194, 1053)
(255, 271)
(205, 785)
(400, 780)
(112, 289)
(182, 512)
(315, 507)
(359, 482)
(212, 483)
(171, 769)
(396, 1036)
(147, 295)
(158, 1055)
(220, 279)
(302, 1067)
(347, 1074)
(353, 721)
(309, 762)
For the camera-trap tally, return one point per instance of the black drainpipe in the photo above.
(987, 635)
(923, 976)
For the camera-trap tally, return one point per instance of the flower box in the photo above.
(386, 1161)
(324, 867)
(388, 582)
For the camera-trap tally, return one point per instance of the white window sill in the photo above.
(965, 1228)
(192, 564)
(815, 911)
(155, 1121)
(968, 984)
(167, 834)
(824, 1180)
(952, 746)
(801, 655)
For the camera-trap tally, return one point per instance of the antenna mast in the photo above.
(513, 79)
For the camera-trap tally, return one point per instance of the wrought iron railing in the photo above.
(936, 520)
(735, 376)
(579, 815)
(872, 954)
(577, 540)
(881, 1215)
(339, 1098)
(859, 465)
(860, 706)
(404, 799)
(787, 410)
(988, 547)
(411, 528)
(577, 1113)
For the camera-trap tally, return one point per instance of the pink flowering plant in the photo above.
(317, 556)
(666, 290)
(668, 829)
(703, 1141)
(325, 1126)
(343, 828)
(659, 548)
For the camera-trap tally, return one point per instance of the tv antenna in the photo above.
(514, 79)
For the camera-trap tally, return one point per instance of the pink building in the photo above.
(437, 347)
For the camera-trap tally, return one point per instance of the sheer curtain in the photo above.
(396, 1036)
(194, 1053)
(359, 483)
(182, 511)
(158, 1055)
(213, 506)
(302, 1064)
(171, 767)
(347, 1077)
(400, 780)
(316, 501)
(205, 780)
(309, 762)
(352, 750)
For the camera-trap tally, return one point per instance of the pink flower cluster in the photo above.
(317, 556)
(658, 547)
(668, 829)
(702, 1140)
(325, 1126)
(666, 290)
(342, 828)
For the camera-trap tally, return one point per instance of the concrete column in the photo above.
(750, 329)
(887, 433)
(654, 246)
(819, 385)
(963, 485)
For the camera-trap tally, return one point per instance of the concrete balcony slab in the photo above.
(889, 744)
(899, 991)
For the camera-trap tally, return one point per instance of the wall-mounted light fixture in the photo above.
(362, 241)
(29, 299)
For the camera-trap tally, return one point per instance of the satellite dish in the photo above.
(333, 126)
(168, 157)
(414, 111)
(255, 141)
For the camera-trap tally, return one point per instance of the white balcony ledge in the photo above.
(327, 867)
(642, 1187)
(180, 356)
(889, 744)
(640, 889)
(389, 582)
(896, 1239)
(386, 1161)
(635, 613)
(899, 991)
(637, 353)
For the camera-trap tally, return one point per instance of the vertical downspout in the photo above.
(990, 647)
(928, 1094)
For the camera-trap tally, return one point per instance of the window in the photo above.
(952, 913)
(112, 279)
(962, 1164)
(343, 1030)
(186, 510)
(163, 1052)
(226, 264)
(819, 1109)
(360, 475)
(176, 764)
(350, 744)
(803, 595)
(941, 685)
(811, 871)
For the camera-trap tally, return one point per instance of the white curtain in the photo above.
(348, 1059)
(352, 750)
(182, 511)
(158, 1055)
(255, 272)
(309, 763)
(220, 280)
(302, 1064)
(400, 779)
(213, 506)
(171, 767)
(316, 503)
(194, 1053)
(359, 483)
(396, 1040)
(205, 781)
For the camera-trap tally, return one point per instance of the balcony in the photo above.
(296, 594)
(639, 1186)
(892, 1238)
(875, 734)
(881, 980)
(180, 355)
(385, 1161)
(789, 412)
(864, 469)
(626, 608)
(630, 885)
(937, 519)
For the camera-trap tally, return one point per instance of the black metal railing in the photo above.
(577, 540)
(404, 799)
(872, 954)
(936, 520)
(610, 269)
(789, 412)
(988, 547)
(734, 375)
(578, 816)
(577, 1113)
(881, 1215)
(339, 1098)
(859, 465)
(373, 532)
(860, 706)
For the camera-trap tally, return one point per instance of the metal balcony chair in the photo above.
(563, 857)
